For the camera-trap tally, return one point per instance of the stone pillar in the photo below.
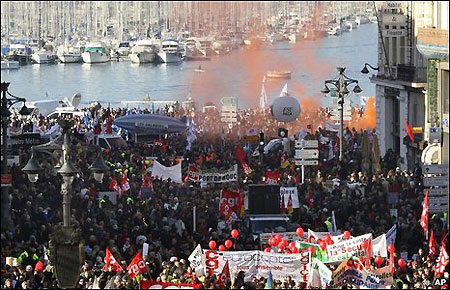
(380, 106)
(403, 115)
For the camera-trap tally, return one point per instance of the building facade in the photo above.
(401, 81)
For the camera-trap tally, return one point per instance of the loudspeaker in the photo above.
(264, 199)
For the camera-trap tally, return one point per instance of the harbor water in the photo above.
(238, 74)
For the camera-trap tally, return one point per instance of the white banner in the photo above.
(348, 248)
(215, 177)
(293, 191)
(259, 263)
(196, 261)
(379, 246)
(173, 172)
(320, 275)
(391, 235)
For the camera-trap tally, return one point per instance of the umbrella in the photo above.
(376, 167)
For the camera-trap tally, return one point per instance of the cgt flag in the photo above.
(424, 216)
(222, 279)
(137, 266)
(111, 261)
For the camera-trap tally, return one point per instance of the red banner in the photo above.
(230, 202)
(137, 266)
(271, 177)
(145, 284)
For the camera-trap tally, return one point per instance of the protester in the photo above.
(163, 216)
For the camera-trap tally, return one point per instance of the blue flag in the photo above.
(269, 283)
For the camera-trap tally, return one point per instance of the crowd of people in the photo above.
(164, 218)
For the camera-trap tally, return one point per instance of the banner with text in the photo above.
(348, 248)
(229, 175)
(293, 192)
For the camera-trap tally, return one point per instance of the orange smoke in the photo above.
(368, 119)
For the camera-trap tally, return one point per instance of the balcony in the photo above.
(405, 73)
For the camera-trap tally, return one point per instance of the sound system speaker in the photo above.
(264, 199)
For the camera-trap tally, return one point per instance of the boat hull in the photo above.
(10, 64)
(142, 57)
(43, 58)
(70, 58)
(94, 57)
(168, 57)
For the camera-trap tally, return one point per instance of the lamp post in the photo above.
(66, 245)
(7, 103)
(365, 70)
(341, 85)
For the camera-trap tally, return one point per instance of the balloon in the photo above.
(401, 262)
(350, 263)
(285, 109)
(323, 245)
(228, 244)
(347, 235)
(222, 248)
(267, 250)
(391, 248)
(287, 251)
(362, 259)
(272, 242)
(234, 233)
(294, 250)
(281, 245)
(285, 243)
(279, 238)
(291, 245)
(312, 249)
(328, 239)
(300, 232)
(212, 245)
(379, 260)
(318, 241)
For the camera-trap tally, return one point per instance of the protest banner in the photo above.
(384, 275)
(196, 262)
(271, 177)
(230, 202)
(348, 248)
(146, 284)
(229, 175)
(258, 263)
(352, 271)
(172, 172)
(293, 192)
(319, 271)
(319, 254)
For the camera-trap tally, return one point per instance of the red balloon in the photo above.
(350, 263)
(391, 248)
(228, 244)
(319, 241)
(401, 262)
(300, 232)
(328, 238)
(279, 238)
(347, 235)
(294, 250)
(222, 248)
(287, 251)
(282, 245)
(323, 245)
(234, 233)
(312, 249)
(379, 260)
(362, 259)
(272, 242)
(291, 245)
(267, 250)
(212, 245)
(365, 244)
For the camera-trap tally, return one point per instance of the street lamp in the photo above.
(7, 103)
(66, 245)
(341, 85)
(365, 70)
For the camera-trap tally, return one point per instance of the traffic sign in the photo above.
(228, 100)
(231, 108)
(436, 181)
(435, 169)
(306, 143)
(306, 162)
(337, 118)
(228, 115)
(336, 113)
(306, 153)
(438, 199)
(229, 120)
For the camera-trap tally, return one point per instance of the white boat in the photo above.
(124, 48)
(334, 30)
(192, 47)
(69, 54)
(170, 51)
(43, 56)
(143, 52)
(279, 74)
(10, 64)
(373, 19)
(95, 52)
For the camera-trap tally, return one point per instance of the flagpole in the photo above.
(194, 218)
(303, 174)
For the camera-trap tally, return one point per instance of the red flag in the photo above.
(431, 245)
(408, 129)
(290, 208)
(113, 183)
(424, 217)
(137, 266)
(110, 260)
(311, 197)
(392, 258)
(239, 153)
(229, 202)
(369, 253)
(222, 279)
(271, 177)
(144, 166)
(124, 182)
(443, 259)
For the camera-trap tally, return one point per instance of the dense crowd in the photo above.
(164, 218)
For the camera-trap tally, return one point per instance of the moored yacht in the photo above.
(143, 52)
(43, 56)
(95, 52)
(69, 54)
(170, 51)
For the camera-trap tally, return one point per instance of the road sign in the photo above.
(436, 181)
(231, 108)
(437, 191)
(306, 143)
(229, 100)
(306, 162)
(438, 199)
(306, 153)
(337, 118)
(336, 113)
(229, 120)
(438, 209)
(435, 169)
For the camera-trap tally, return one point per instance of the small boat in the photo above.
(43, 56)
(279, 74)
(10, 64)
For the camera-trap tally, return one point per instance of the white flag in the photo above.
(196, 260)
(284, 91)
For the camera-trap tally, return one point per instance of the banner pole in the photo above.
(303, 174)
(194, 218)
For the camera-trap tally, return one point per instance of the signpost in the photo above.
(306, 153)
(229, 110)
(436, 176)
